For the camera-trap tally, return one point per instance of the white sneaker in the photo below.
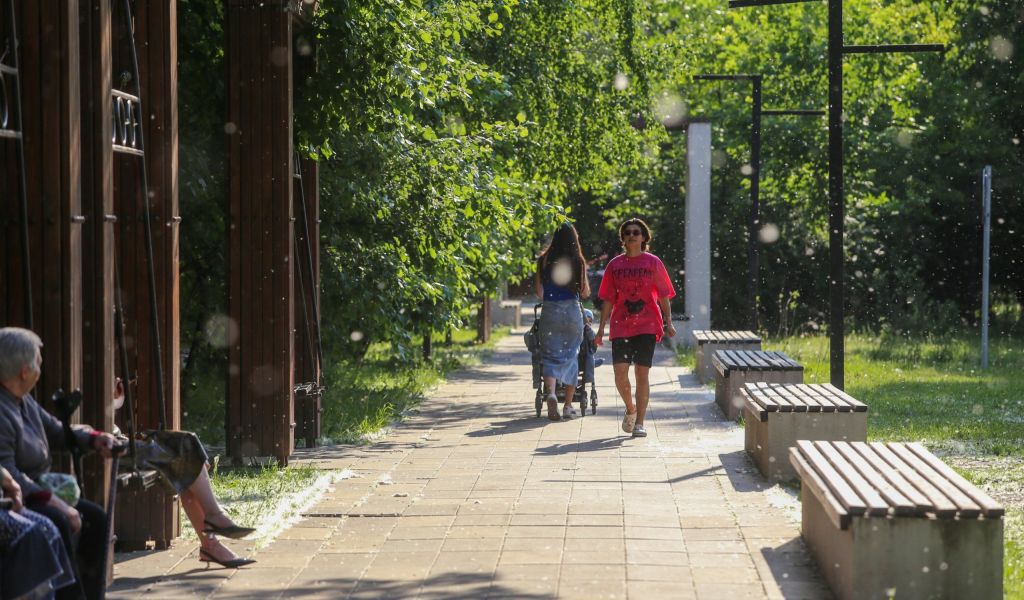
(628, 422)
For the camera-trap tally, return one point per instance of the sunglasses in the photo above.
(632, 232)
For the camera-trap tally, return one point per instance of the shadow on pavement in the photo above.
(508, 427)
(588, 446)
(793, 558)
(447, 585)
(742, 473)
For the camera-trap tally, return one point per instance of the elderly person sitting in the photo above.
(27, 432)
(33, 562)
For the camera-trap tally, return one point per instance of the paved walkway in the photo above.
(473, 497)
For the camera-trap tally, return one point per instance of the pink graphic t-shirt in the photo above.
(633, 286)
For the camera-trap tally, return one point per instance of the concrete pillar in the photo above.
(697, 282)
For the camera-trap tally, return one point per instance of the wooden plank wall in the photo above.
(261, 300)
(149, 518)
(73, 182)
(48, 31)
(307, 407)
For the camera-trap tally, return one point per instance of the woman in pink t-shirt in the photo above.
(635, 291)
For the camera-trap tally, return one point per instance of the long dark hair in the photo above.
(565, 243)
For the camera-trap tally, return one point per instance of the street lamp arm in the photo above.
(746, 3)
(888, 48)
(796, 112)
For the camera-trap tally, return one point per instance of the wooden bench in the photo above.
(892, 520)
(733, 368)
(708, 340)
(776, 415)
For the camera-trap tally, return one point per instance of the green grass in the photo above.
(249, 494)
(366, 396)
(932, 390)
(929, 390)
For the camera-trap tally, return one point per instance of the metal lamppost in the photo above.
(836, 208)
(754, 224)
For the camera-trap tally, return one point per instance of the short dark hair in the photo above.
(643, 227)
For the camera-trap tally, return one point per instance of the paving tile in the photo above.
(496, 504)
(592, 589)
(532, 544)
(656, 557)
(471, 544)
(661, 590)
(657, 573)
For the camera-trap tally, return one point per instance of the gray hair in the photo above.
(18, 349)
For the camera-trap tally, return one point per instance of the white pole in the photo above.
(697, 279)
(986, 212)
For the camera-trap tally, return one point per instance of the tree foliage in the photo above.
(453, 134)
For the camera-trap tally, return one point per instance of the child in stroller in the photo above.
(587, 363)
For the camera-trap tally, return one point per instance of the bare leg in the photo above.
(643, 392)
(549, 385)
(570, 391)
(549, 397)
(202, 493)
(194, 509)
(622, 384)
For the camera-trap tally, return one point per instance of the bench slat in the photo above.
(755, 392)
(990, 508)
(857, 405)
(940, 504)
(899, 503)
(890, 474)
(834, 403)
(798, 393)
(784, 394)
(728, 358)
(786, 402)
(812, 395)
(966, 507)
(810, 478)
(876, 505)
(836, 484)
(754, 407)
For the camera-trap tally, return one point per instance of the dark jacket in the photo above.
(27, 432)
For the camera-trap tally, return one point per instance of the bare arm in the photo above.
(606, 311)
(666, 314)
(538, 286)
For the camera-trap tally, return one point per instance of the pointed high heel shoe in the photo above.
(234, 563)
(232, 531)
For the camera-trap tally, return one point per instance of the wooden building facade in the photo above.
(89, 208)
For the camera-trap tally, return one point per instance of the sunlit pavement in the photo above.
(474, 497)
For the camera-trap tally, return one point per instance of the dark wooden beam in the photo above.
(149, 518)
(261, 300)
(97, 233)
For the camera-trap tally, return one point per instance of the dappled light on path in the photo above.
(473, 496)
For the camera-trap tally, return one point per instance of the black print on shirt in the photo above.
(634, 307)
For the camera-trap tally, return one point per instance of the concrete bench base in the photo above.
(705, 369)
(729, 389)
(768, 442)
(507, 312)
(906, 557)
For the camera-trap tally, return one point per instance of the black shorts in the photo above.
(637, 350)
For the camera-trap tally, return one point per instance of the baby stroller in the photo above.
(587, 363)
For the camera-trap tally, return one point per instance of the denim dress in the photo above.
(561, 331)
